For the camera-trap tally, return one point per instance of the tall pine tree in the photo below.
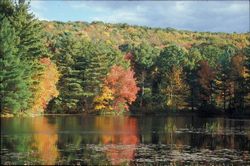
(29, 48)
(70, 83)
(15, 94)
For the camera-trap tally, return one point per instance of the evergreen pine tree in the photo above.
(223, 80)
(70, 84)
(15, 92)
(29, 46)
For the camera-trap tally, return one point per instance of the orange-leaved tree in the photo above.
(121, 85)
(46, 89)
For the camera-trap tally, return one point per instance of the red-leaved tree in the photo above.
(206, 76)
(123, 85)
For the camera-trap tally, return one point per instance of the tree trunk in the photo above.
(21, 2)
(142, 87)
(192, 98)
(224, 99)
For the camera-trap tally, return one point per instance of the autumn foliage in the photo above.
(103, 101)
(176, 88)
(46, 89)
(121, 85)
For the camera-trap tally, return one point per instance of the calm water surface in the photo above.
(125, 140)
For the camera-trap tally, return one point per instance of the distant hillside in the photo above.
(118, 34)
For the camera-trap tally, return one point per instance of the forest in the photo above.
(79, 67)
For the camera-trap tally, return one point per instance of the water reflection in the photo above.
(118, 130)
(45, 140)
(118, 140)
(28, 141)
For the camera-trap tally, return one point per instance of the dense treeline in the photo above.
(80, 67)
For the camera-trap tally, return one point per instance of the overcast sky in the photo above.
(214, 16)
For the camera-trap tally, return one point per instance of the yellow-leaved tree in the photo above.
(176, 89)
(46, 89)
(103, 101)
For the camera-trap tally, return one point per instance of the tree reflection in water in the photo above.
(45, 140)
(118, 140)
(121, 131)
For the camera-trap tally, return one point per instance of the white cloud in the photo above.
(86, 5)
(77, 6)
(124, 16)
(38, 8)
(180, 6)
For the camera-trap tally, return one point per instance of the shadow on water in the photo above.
(124, 140)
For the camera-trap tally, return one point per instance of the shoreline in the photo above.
(144, 113)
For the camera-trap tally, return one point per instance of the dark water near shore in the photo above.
(125, 140)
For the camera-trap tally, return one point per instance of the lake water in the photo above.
(125, 140)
